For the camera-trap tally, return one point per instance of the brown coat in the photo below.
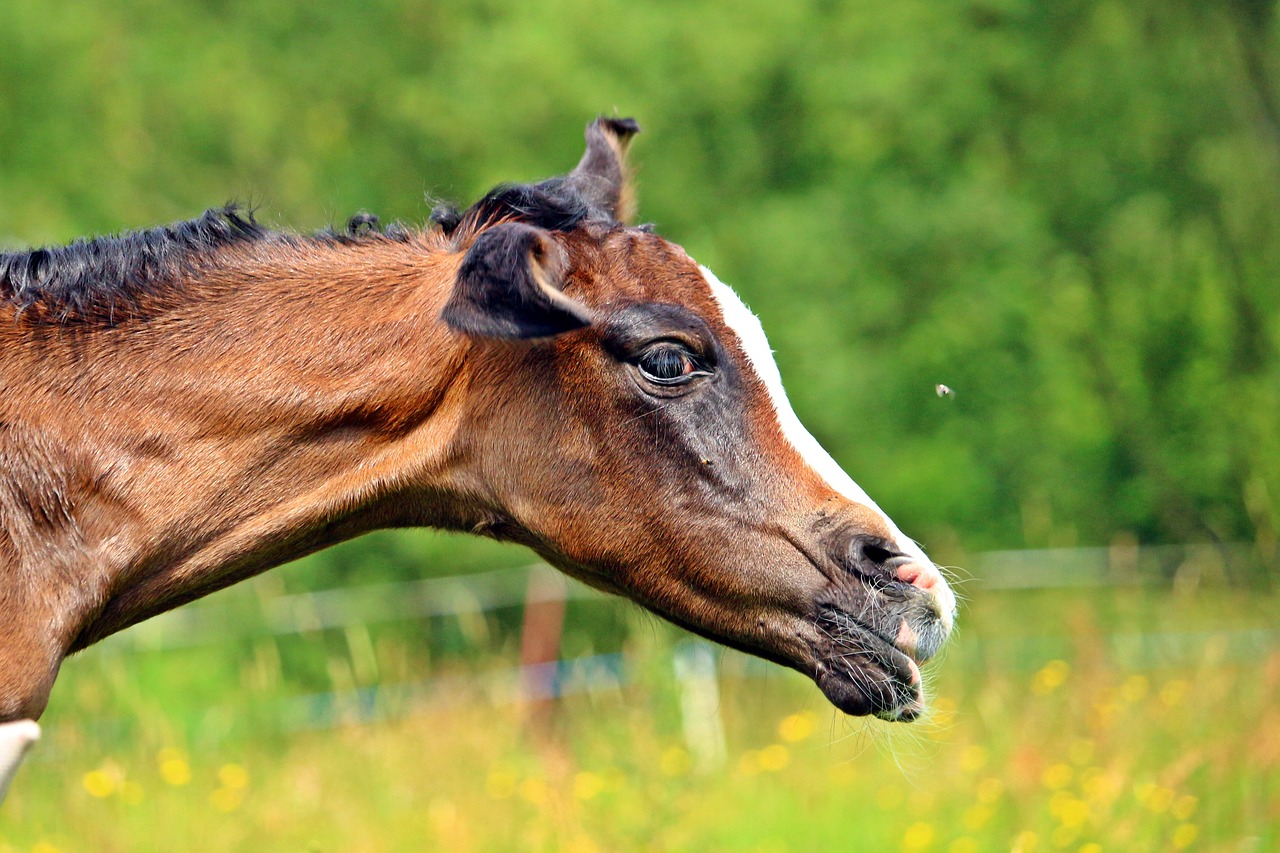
(184, 408)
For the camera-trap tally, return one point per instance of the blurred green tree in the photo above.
(1068, 212)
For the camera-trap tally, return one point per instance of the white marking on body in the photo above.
(15, 739)
(755, 344)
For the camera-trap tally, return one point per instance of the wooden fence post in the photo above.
(544, 606)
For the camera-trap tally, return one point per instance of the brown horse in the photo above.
(185, 407)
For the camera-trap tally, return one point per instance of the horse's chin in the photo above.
(864, 675)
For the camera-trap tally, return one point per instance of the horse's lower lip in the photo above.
(862, 673)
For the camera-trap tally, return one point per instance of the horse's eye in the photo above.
(668, 363)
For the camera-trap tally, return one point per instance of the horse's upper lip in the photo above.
(843, 620)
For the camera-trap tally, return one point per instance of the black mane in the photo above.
(101, 279)
(94, 278)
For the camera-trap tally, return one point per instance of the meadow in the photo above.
(1100, 718)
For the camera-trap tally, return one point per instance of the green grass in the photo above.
(1130, 719)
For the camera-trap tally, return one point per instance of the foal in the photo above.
(185, 407)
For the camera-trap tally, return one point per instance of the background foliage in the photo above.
(1067, 212)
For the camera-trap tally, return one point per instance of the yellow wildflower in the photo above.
(1185, 835)
(1184, 807)
(1099, 787)
(973, 759)
(1071, 811)
(976, 817)
(1057, 776)
(233, 776)
(170, 754)
(586, 785)
(175, 772)
(174, 768)
(774, 757)
(798, 727)
(1050, 677)
(534, 790)
(99, 783)
(918, 837)
(1157, 798)
(226, 799)
(1025, 842)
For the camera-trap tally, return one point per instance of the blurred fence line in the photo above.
(696, 665)
(240, 612)
(1122, 564)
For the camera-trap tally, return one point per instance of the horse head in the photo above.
(626, 420)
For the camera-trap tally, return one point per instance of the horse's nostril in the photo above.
(875, 557)
(876, 554)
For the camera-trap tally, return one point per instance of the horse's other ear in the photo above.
(509, 287)
(601, 176)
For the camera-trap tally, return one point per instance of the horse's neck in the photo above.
(278, 413)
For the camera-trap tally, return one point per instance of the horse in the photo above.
(187, 406)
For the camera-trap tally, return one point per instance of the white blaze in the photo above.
(756, 346)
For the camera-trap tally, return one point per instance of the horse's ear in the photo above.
(509, 287)
(601, 176)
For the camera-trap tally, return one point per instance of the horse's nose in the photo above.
(876, 559)
(880, 560)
